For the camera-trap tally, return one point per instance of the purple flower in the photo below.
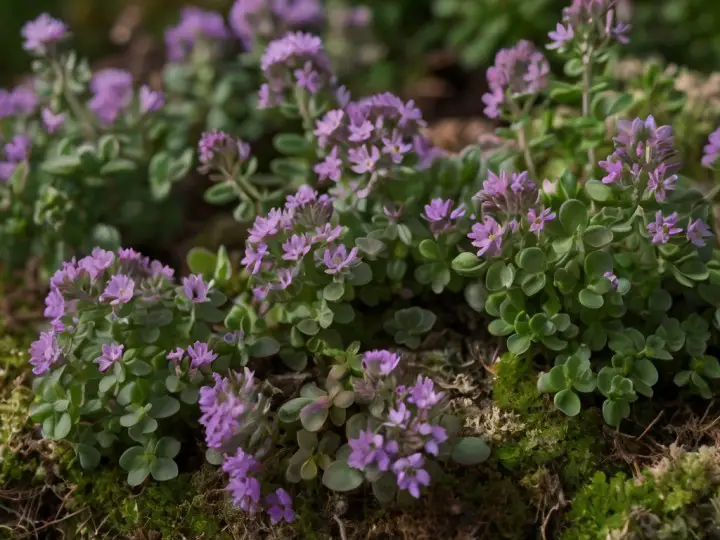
(398, 417)
(96, 263)
(111, 353)
(120, 289)
(614, 169)
(339, 259)
(423, 394)
(42, 32)
(363, 159)
(23, 99)
(159, 269)
(304, 195)
(195, 289)
(285, 277)
(360, 132)
(612, 278)
(264, 227)
(395, 147)
(410, 475)
(561, 36)
(328, 125)
(518, 70)
(112, 93)
(537, 221)
(200, 355)
(594, 20)
(663, 227)
(177, 355)
(371, 448)
(239, 465)
(150, 100)
(712, 149)
(330, 168)
(660, 184)
(327, 233)
(253, 259)
(487, 237)
(295, 248)
(280, 507)
(17, 149)
(441, 215)
(380, 362)
(696, 231)
(225, 404)
(52, 121)
(308, 79)
(510, 194)
(435, 436)
(44, 352)
(245, 493)
(195, 25)
(54, 305)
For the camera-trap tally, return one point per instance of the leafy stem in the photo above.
(587, 81)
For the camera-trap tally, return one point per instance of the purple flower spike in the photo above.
(537, 221)
(224, 404)
(41, 33)
(696, 232)
(487, 237)
(52, 121)
(196, 289)
(663, 228)
(111, 353)
(280, 507)
(410, 475)
(112, 93)
(195, 25)
(120, 289)
(295, 248)
(423, 394)
(380, 362)
(561, 36)
(339, 259)
(200, 355)
(44, 352)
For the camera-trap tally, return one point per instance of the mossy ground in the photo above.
(549, 476)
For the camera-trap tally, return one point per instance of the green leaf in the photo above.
(429, 250)
(573, 215)
(290, 411)
(371, 246)
(131, 457)
(138, 475)
(532, 260)
(289, 168)
(518, 344)
(470, 451)
(309, 470)
(590, 299)
(164, 469)
(500, 328)
(61, 165)
(468, 264)
(309, 327)
(314, 415)
(164, 407)
(597, 236)
(499, 276)
(264, 347)
(221, 193)
(568, 402)
(597, 263)
(333, 291)
(695, 269)
(202, 261)
(63, 426)
(290, 143)
(89, 456)
(614, 411)
(340, 477)
(167, 447)
(553, 381)
(106, 237)
(616, 105)
(598, 191)
(533, 284)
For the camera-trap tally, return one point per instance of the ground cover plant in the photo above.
(402, 327)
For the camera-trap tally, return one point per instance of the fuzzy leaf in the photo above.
(470, 451)
(340, 477)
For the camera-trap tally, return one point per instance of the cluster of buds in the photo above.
(196, 25)
(590, 23)
(263, 20)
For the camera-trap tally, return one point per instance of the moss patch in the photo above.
(676, 499)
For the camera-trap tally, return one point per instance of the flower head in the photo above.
(370, 448)
(380, 362)
(196, 289)
(52, 121)
(150, 100)
(663, 227)
(410, 475)
(111, 353)
(561, 35)
(280, 506)
(487, 237)
(195, 25)
(17, 149)
(537, 221)
(423, 394)
(711, 151)
(43, 32)
(254, 256)
(120, 289)
(697, 231)
(339, 259)
(112, 93)
(44, 352)
(200, 355)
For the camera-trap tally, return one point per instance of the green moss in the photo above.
(678, 498)
(544, 437)
(180, 508)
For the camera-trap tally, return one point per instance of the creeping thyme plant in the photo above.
(606, 274)
(84, 155)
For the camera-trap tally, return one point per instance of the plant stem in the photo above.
(522, 141)
(77, 109)
(587, 81)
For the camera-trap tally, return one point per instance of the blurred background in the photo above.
(432, 49)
